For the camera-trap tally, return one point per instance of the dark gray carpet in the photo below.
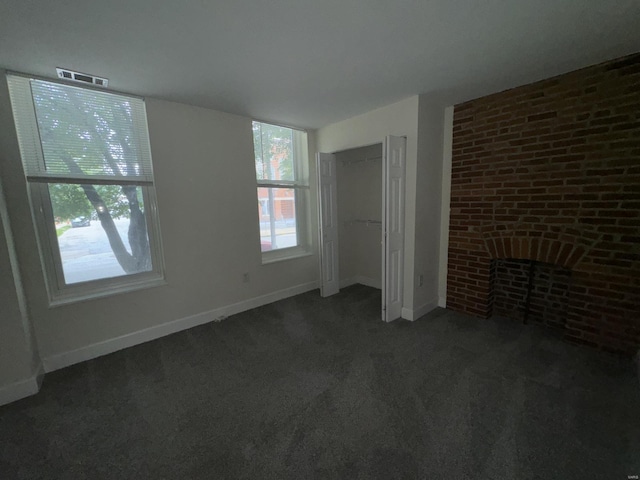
(321, 388)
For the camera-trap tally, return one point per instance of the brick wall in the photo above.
(551, 172)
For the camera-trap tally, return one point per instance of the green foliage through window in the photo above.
(273, 148)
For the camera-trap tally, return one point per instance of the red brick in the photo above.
(546, 171)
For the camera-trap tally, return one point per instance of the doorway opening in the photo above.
(361, 203)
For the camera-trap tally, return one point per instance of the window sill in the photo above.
(87, 292)
(274, 256)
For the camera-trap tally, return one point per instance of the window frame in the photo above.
(301, 189)
(58, 291)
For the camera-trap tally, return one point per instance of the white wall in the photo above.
(399, 119)
(429, 201)
(206, 189)
(19, 361)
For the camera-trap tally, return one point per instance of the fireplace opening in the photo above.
(530, 291)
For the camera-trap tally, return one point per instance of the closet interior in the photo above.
(359, 199)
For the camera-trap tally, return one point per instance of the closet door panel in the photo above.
(328, 215)
(394, 166)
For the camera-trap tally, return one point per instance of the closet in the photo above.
(359, 191)
(361, 211)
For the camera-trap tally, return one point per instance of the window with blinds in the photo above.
(87, 162)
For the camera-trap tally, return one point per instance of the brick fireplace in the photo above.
(550, 173)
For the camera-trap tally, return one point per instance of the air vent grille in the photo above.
(81, 77)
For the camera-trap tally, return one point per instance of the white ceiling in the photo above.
(312, 62)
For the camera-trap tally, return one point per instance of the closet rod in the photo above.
(365, 159)
(366, 222)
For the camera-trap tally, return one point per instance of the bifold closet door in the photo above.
(393, 185)
(328, 214)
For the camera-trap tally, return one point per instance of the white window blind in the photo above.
(80, 135)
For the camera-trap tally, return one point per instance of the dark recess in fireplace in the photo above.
(531, 292)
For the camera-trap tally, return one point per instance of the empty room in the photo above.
(294, 240)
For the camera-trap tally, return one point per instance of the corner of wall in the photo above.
(432, 202)
(445, 206)
(24, 373)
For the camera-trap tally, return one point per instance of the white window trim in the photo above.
(302, 203)
(58, 291)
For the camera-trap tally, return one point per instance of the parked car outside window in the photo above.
(81, 222)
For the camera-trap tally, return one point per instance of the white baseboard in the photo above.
(415, 314)
(347, 282)
(442, 302)
(21, 388)
(62, 360)
(362, 280)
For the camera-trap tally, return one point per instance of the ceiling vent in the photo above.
(81, 77)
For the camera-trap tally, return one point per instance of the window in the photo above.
(283, 190)
(87, 162)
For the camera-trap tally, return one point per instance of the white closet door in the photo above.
(327, 188)
(393, 184)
